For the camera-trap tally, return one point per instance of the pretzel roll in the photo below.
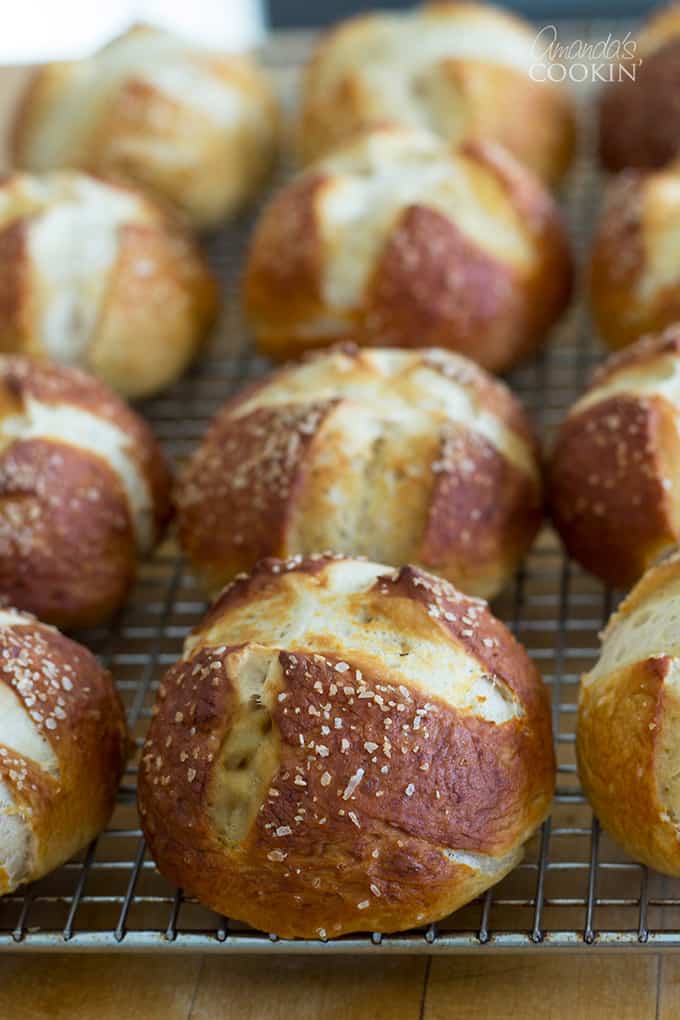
(344, 747)
(466, 71)
(196, 128)
(84, 490)
(615, 475)
(629, 712)
(93, 275)
(398, 240)
(62, 748)
(640, 106)
(396, 455)
(635, 275)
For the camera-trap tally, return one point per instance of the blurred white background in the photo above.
(38, 30)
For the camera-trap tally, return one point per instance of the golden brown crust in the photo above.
(550, 284)
(222, 149)
(620, 724)
(15, 289)
(491, 394)
(324, 882)
(470, 622)
(290, 286)
(462, 96)
(610, 494)
(59, 558)
(316, 133)
(258, 581)
(68, 532)
(223, 170)
(432, 286)
(639, 116)
(629, 713)
(536, 125)
(168, 310)
(627, 303)
(613, 487)
(430, 283)
(72, 703)
(237, 495)
(382, 792)
(641, 355)
(306, 460)
(662, 573)
(467, 534)
(150, 309)
(24, 378)
(416, 297)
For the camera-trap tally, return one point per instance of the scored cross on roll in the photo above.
(62, 748)
(614, 473)
(345, 746)
(397, 455)
(629, 712)
(194, 127)
(84, 492)
(634, 269)
(399, 239)
(463, 70)
(94, 275)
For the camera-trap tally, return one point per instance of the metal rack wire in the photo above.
(575, 888)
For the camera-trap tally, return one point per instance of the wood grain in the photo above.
(101, 987)
(580, 987)
(457, 988)
(306, 989)
(668, 1005)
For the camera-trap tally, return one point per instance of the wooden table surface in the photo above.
(627, 986)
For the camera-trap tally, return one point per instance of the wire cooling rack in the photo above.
(575, 888)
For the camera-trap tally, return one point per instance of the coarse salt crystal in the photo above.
(353, 784)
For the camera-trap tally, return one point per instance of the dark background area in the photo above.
(309, 13)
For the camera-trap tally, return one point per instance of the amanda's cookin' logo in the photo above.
(607, 59)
